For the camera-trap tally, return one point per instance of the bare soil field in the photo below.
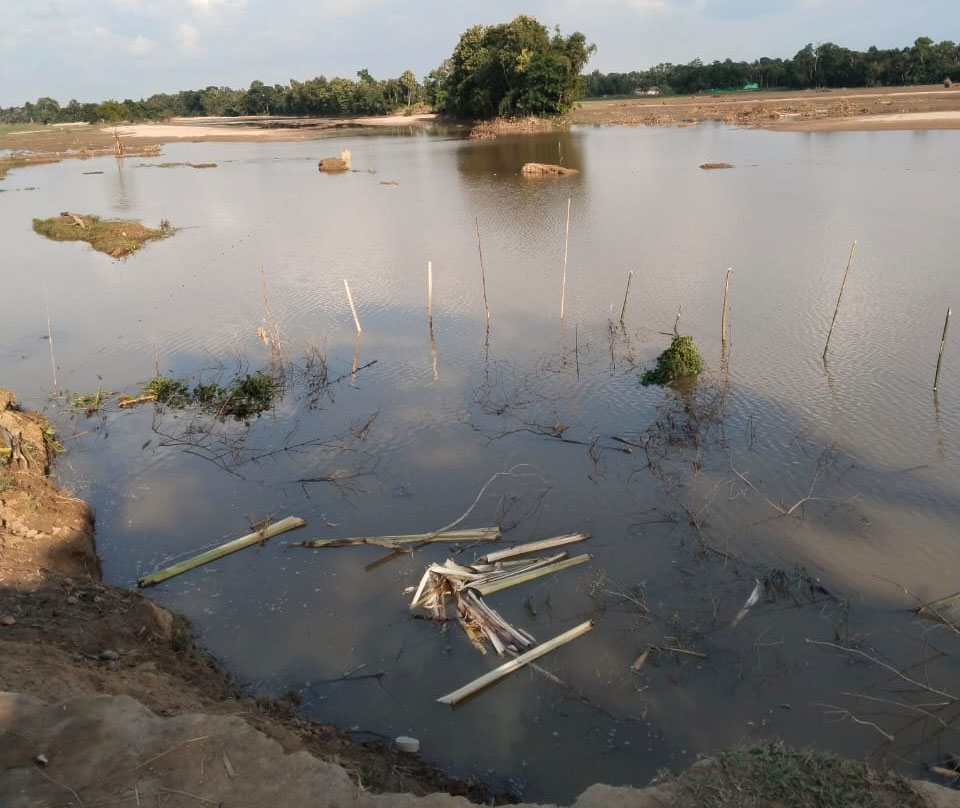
(927, 107)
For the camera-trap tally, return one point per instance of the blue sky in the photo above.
(96, 49)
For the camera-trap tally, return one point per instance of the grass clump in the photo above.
(116, 238)
(245, 396)
(774, 774)
(681, 360)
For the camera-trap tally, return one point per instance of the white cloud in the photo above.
(188, 37)
(207, 8)
(140, 46)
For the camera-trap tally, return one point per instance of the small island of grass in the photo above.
(116, 238)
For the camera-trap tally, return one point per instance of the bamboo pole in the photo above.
(476, 534)
(623, 309)
(53, 361)
(943, 342)
(483, 274)
(290, 523)
(566, 246)
(430, 294)
(853, 249)
(531, 574)
(676, 323)
(515, 664)
(352, 307)
(726, 294)
(533, 547)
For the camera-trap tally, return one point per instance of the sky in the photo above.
(93, 50)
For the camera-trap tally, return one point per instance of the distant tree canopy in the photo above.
(317, 96)
(824, 65)
(515, 68)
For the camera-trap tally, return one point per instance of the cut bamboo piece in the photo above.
(353, 308)
(527, 575)
(566, 246)
(477, 534)
(507, 668)
(626, 295)
(943, 342)
(752, 601)
(290, 523)
(843, 284)
(533, 547)
(641, 660)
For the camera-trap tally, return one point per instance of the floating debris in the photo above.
(507, 668)
(715, 166)
(394, 542)
(533, 547)
(258, 537)
(752, 601)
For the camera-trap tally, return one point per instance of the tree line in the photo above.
(825, 65)
(317, 96)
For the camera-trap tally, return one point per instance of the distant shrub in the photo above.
(681, 360)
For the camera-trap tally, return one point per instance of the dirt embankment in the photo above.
(933, 107)
(104, 700)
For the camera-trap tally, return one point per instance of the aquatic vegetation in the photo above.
(244, 396)
(116, 238)
(681, 360)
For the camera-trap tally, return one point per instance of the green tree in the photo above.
(510, 69)
(112, 112)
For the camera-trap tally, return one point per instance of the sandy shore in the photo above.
(256, 128)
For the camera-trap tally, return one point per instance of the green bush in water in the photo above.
(681, 360)
(245, 396)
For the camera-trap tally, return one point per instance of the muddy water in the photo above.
(683, 491)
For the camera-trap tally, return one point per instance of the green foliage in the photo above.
(510, 69)
(824, 65)
(245, 396)
(112, 112)
(681, 360)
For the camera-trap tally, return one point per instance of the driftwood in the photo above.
(546, 170)
(714, 166)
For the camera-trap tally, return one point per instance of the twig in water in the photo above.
(842, 714)
(853, 249)
(53, 361)
(483, 274)
(57, 783)
(566, 245)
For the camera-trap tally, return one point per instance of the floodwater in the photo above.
(689, 495)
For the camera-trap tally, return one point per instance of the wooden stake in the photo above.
(430, 294)
(676, 323)
(943, 342)
(623, 309)
(726, 293)
(352, 307)
(853, 249)
(53, 361)
(566, 245)
(507, 668)
(483, 274)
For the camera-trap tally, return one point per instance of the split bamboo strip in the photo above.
(626, 295)
(853, 249)
(566, 245)
(513, 665)
(290, 523)
(533, 547)
(943, 342)
(477, 534)
(523, 577)
(352, 307)
(723, 320)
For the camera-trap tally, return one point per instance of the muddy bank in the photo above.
(107, 700)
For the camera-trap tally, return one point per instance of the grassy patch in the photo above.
(18, 160)
(681, 360)
(116, 238)
(243, 397)
(774, 774)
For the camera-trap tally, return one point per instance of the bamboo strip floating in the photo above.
(943, 342)
(853, 249)
(566, 245)
(352, 307)
(290, 523)
(522, 577)
(513, 665)
(723, 321)
(533, 547)
(477, 534)
(623, 309)
(483, 274)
